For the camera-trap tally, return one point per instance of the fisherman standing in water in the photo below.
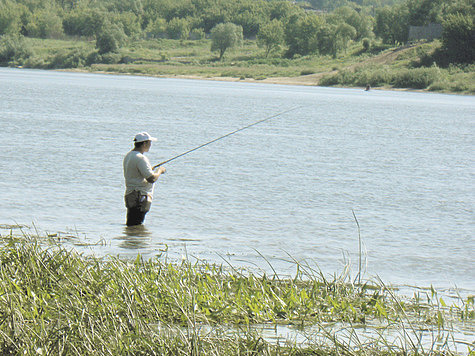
(139, 179)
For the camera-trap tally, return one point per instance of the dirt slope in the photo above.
(385, 57)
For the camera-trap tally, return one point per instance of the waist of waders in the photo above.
(136, 199)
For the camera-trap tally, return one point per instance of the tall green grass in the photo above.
(56, 301)
(432, 78)
(416, 78)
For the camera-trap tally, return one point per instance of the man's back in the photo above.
(137, 169)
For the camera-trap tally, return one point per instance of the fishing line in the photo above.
(227, 135)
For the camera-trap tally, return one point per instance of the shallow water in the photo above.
(374, 334)
(402, 161)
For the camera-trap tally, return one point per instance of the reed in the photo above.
(56, 301)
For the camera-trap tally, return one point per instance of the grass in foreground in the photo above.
(56, 301)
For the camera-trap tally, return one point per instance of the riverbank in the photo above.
(57, 301)
(381, 66)
(306, 80)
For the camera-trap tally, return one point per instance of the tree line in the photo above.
(301, 28)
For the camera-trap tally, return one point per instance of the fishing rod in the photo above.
(227, 135)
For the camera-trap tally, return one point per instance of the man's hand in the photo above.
(160, 170)
(156, 174)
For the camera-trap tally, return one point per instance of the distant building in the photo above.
(429, 32)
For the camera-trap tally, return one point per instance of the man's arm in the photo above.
(154, 177)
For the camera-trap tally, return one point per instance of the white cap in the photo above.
(144, 136)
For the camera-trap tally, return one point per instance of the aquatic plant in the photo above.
(54, 300)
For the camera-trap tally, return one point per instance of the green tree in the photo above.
(84, 22)
(121, 6)
(366, 44)
(458, 37)
(358, 20)
(130, 22)
(180, 9)
(462, 6)
(282, 10)
(327, 5)
(250, 14)
(212, 16)
(423, 12)
(224, 36)
(153, 10)
(9, 18)
(301, 34)
(326, 42)
(250, 22)
(44, 24)
(178, 29)
(271, 36)
(13, 48)
(392, 24)
(110, 39)
(343, 34)
(197, 34)
(157, 28)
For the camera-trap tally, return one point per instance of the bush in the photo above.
(197, 34)
(375, 76)
(366, 44)
(129, 22)
(84, 22)
(178, 29)
(35, 62)
(458, 38)
(106, 58)
(106, 42)
(93, 57)
(340, 78)
(69, 59)
(111, 58)
(307, 72)
(110, 40)
(14, 49)
(9, 18)
(44, 24)
(157, 28)
(419, 78)
(439, 86)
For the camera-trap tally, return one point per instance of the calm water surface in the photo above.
(403, 162)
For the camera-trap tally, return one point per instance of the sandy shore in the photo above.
(304, 80)
(311, 79)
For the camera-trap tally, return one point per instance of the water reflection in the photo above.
(135, 237)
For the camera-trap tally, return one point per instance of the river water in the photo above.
(285, 189)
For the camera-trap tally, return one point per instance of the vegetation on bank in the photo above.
(57, 301)
(412, 67)
(342, 41)
(391, 67)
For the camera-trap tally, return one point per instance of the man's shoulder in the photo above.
(134, 155)
(137, 157)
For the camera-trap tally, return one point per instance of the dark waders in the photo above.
(138, 205)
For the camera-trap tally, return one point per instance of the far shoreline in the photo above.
(306, 80)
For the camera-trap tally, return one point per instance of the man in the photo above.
(139, 179)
